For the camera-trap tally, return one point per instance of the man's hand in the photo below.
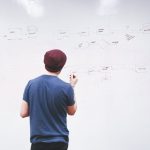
(73, 80)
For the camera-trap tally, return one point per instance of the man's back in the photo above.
(48, 98)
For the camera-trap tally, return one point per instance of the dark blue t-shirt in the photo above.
(48, 98)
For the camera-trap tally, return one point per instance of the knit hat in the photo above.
(54, 60)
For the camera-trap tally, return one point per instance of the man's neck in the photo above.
(53, 73)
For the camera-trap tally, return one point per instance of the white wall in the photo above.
(107, 43)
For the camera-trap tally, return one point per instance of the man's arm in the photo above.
(24, 109)
(72, 109)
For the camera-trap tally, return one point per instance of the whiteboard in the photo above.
(107, 45)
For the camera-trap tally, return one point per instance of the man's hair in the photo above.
(54, 60)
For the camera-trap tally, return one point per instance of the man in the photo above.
(47, 100)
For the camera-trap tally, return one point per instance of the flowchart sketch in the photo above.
(32, 31)
(129, 37)
(62, 34)
(15, 34)
(83, 32)
(82, 45)
(100, 30)
(141, 69)
(146, 28)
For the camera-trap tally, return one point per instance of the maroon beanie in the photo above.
(54, 60)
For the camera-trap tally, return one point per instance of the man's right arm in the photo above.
(72, 109)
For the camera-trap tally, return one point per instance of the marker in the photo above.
(73, 76)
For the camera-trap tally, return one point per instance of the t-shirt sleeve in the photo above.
(70, 96)
(26, 93)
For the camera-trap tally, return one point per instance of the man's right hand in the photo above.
(73, 80)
